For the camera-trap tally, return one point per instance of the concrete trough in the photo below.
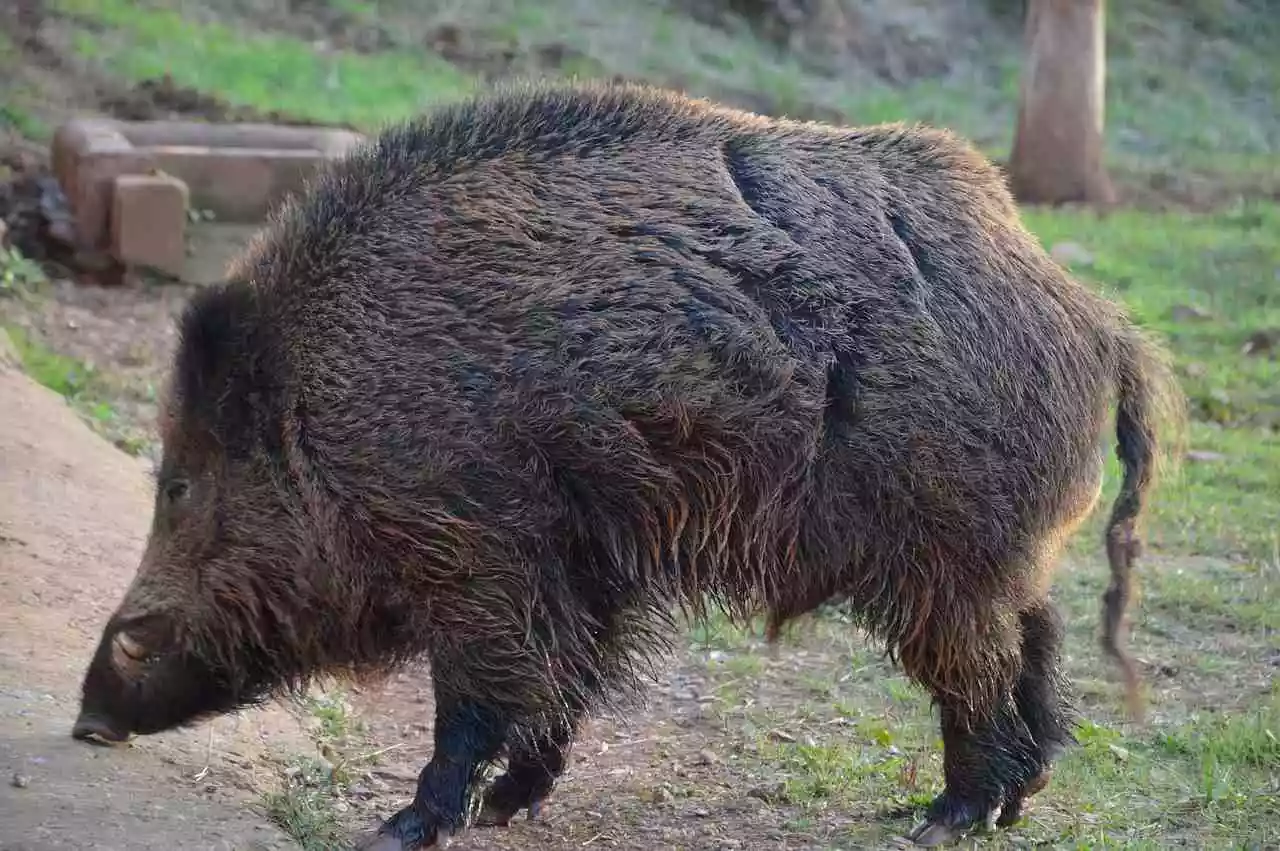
(236, 171)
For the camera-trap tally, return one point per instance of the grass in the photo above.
(20, 277)
(304, 806)
(79, 383)
(69, 378)
(264, 71)
(865, 753)
(1186, 91)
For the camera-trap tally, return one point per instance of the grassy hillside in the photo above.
(1190, 84)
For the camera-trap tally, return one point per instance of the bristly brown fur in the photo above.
(507, 385)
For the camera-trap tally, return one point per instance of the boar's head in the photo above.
(222, 610)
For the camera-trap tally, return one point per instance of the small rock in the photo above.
(1071, 254)
(1189, 313)
(701, 812)
(1120, 753)
(20, 781)
(706, 756)
(781, 736)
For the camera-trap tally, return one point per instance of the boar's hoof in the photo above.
(949, 820)
(97, 730)
(406, 831)
(929, 834)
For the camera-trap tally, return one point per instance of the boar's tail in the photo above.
(1149, 399)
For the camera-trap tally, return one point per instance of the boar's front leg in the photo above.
(468, 737)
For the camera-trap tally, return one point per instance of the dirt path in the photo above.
(73, 515)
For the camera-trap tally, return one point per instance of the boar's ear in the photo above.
(227, 375)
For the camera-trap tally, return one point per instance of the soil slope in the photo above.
(73, 518)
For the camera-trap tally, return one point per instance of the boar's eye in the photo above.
(176, 490)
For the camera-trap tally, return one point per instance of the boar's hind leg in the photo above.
(533, 767)
(994, 764)
(1043, 701)
(468, 737)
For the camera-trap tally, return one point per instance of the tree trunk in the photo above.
(1058, 147)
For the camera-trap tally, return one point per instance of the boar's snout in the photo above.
(116, 676)
(92, 727)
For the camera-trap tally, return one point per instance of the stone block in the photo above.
(236, 170)
(149, 221)
(87, 156)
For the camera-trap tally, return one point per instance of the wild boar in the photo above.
(515, 383)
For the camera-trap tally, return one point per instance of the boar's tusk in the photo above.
(126, 652)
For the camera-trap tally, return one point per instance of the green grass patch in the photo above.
(139, 40)
(837, 773)
(80, 384)
(304, 807)
(1184, 90)
(1202, 779)
(20, 277)
(22, 122)
(65, 376)
(334, 721)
